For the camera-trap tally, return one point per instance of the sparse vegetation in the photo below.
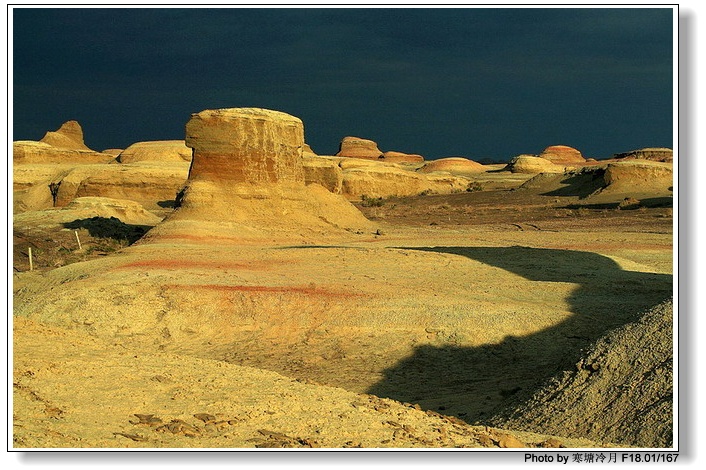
(366, 201)
(629, 203)
(474, 186)
(106, 245)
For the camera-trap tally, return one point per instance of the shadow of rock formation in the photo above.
(475, 383)
(582, 183)
(103, 227)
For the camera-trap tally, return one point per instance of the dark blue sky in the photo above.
(480, 83)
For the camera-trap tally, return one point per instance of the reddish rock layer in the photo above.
(249, 145)
(562, 155)
(355, 147)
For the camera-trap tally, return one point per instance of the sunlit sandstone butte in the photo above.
(247, 180)
(246, 145)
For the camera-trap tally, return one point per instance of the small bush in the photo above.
(474, 186)
(366, 201)
(106, 245)
(629, 203)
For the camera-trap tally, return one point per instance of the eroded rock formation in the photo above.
(453, 165)
(355, 147)
(624, 381)
(325, 171)
(639, 176)
(156, 151)
(247, 181)
(562, 155)
(654, 154)
(153, 186)
(389, 180)
(30, 151)
(400, 157)
(250, 145)
(308, 152)
(648, 182)
(532, 164)
(69, 135)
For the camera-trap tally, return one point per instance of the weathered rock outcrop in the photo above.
(562, 155)
(399, 157)
(247, 182)
(355, 147)
(30, 151)
(453, 165)
(654, 154)
(128, 212)
(156, 151)
(153, 186)
(351, 163)
(308, 152)
(324, 171)
(388, 180)
(610, 183)
(638, 176)
(532, 164)
(69, 135)
(245, 145)
(113, 152)
(624, 382)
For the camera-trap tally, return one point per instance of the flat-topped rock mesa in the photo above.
(562, 155)
(69, 135)
(453, 165)
(246, 145)
(45, 176)
(642, 176)
(654, 154)
(156, 151)
(246, 180)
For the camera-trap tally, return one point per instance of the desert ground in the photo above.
(523, 310)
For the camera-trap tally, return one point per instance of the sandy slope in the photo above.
(456, 319)
(626, 377)
(74, 390)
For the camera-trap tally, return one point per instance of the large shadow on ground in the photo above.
(581, 184)
(475, 383)
(110, 227)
